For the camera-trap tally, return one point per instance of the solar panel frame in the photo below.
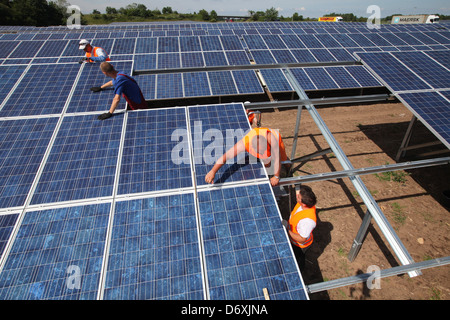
(82, 161)
(51, 244)
(44, 89)
(245, 245)
(164, 262)
(148, 162)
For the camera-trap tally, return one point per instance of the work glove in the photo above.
(82, 60)
(104, 116)
(96, 89)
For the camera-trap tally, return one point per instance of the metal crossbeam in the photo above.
(333, 284)
(364, 171)
(372, 207)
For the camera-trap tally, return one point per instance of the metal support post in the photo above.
(297, 128)
(406, 139)
(369, 201)
(362, 232)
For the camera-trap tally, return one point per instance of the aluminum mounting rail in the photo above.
(372, 207)
(316, 101)
(333, 284)
(364, 171)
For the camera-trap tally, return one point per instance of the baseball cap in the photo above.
(83, 44)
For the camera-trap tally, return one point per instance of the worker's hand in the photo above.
(82, 60)
(274, 181)
(96, 89)
(209, 178)
(104, 116)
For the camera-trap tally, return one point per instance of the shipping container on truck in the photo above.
(418, 18)
(331, 19)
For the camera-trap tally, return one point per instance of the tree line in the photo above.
(54, 12)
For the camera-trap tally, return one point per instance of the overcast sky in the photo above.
(307, 8)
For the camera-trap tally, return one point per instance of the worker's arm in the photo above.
(104, 86)
(275, 161)
(113, 107)
(230, 154)
(296, 237)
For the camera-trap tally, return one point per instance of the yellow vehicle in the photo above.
(331, 19)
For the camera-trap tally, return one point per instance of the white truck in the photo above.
(418, 18)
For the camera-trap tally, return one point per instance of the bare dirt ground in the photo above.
(370, 135)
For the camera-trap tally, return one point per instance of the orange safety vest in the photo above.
(294, 219)
(263, 132)
(94, 49)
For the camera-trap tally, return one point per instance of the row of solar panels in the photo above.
(40, 89)
(273, 27)
(421, 80)
(150, 246)
(129, 45)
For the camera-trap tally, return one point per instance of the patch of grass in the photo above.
(396, 176)
(398, 214)
(435, 294)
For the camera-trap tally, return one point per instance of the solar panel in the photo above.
(275, 80)
(169, 61)
(145, 45)
(126, 46)
(192, 59)
(145, 61)
(169, 86)
(205, 125)
(215, 58)
(273, 41)
(283, 56)
(43, 90)
(196, 84)
(231, 43)
(26, 49)
(8, 77)
(149, 162)
(237, 58)
(320, 78)
(255, 41)
(426, 68)
(23, 144)
(303, 79)
(247, 81)
(363, 76)
(245, 246)
(433, 109)
(263, 56)
(211, 43)
(50, 247)
(393, 72)
(342, 77)
(303, 55)
(222, 83)
(190, 44)
(7, 223)
(154, 252)
(82, 161)
(168, 44)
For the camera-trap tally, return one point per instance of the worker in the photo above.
(93, 54)
(302, 222)
(123, 85)
(263, 143)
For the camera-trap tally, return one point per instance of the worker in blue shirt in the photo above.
(124, 85)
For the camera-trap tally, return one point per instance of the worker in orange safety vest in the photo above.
(302, 222)
(93, 54)
(263, 143)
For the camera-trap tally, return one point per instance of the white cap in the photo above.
(83, 44)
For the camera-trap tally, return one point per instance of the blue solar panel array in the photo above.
(421, 81)
(119, 209)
